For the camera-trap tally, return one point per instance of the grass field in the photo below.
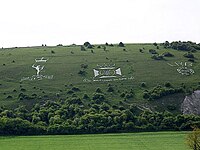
(65, 63)
(129, 141)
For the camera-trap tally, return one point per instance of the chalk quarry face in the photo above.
(191, 104)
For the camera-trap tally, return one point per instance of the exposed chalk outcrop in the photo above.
(191, 104)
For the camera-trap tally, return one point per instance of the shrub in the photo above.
(70, 92)
(9, 97)
(53, 52)
(146, 95)
(167, 84)
(122, 94)
(143, 84)
(59, 45)
(152, 51)
(98, 90)
(34, 95)
(88, 45)
(141, 50)
(167, 54)
(157, 57)
(99, 97)
(76, 89)
(121, 44)
(23, 90)
(82, 72)
(85, 96)
(191, 60)
(128, 96)
(84, 66)
(188, 55)
(155, 44)
(110, 89)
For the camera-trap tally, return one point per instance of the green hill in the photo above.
(97, 88)
(69, 72)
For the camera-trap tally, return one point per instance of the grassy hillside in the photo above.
(72, 71)
(139, 141)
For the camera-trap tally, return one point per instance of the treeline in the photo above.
(183, 46)
(72, 116)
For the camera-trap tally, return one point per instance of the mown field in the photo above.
(65, 63)
(125, 141)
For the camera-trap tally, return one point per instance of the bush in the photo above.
(76, 89)
(141, 50)
(70, 92)
(99, 97)
(153, 51)
(157, 57)
(82, 72)
(88, 45)
(84, 66)
(128, 96)
(9, 97)
(188, 55)
(53, 52)
(155, 44)
(23, 90)
(167, 54)
(191, 60)
(167, 84)
(146, 95)
(98, 90)
(121, 44)
(85, 96)
(122, 94)
(143, 84)
(110, 89)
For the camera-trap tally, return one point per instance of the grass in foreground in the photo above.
(127, 141)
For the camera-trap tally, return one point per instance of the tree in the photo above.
(121, 44)
(88, 45)
(193, 139)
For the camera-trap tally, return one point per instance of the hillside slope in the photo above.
(121, 75)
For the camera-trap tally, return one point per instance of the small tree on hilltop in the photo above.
(193, 139)
(121, 44)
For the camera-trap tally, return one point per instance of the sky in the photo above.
(36, 22)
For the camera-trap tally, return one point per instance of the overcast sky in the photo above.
(52, 22)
